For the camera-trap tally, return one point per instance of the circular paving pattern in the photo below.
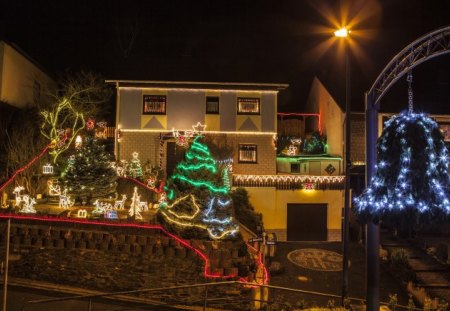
(316, 259)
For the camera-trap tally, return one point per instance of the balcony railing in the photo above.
(290, 182)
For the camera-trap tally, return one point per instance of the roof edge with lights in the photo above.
(200, 85)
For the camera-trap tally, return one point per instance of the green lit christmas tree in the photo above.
(198, 196)
(88, 173)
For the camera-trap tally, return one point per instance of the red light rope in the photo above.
(23, 168)
(159, 190)
(186, 244)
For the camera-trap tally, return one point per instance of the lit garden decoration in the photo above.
(412, 168)
(197, 195)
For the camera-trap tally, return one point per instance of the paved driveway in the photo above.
(315, 266)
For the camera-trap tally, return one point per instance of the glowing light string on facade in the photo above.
(288, 178)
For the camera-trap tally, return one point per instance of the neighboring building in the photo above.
(23, 82)
(300, 196)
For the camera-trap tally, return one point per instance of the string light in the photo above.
(288, 178)
(419, 178)
(183, 216)
(25, 167)
(206, 270)
(47, 169)
(51, 119)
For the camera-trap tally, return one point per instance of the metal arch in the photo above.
(434, 44)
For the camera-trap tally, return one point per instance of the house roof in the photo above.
(200, 85)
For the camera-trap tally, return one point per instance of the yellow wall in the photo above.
(272, 204)
(321, 101)
(18, 77)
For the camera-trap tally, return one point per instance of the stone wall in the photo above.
(110, 260)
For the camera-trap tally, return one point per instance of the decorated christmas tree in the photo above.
(412, 169)
(88, 173)
(135, 167)
(198, 197)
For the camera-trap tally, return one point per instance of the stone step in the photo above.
(431, 278)
(418, 264)
(435, 285)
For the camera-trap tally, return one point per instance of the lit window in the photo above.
(247, 105)
(154, 104)
(247, 154)
(212, 105)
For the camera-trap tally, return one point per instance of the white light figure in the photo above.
(78, 142)
(120, 204)
(199, 128)
(135, 207)
(101, 207)
(64, 200)
(100, 132)
(292, 150)
(82, 213)
(296, 141)
(18, 196)
(28, 205)
(53, 188)
(121, 168)
(47, 169)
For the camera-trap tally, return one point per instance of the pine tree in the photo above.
(197, 195)
(88, 173)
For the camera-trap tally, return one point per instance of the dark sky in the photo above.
(275, 41)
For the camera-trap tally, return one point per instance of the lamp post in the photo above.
(344, 34)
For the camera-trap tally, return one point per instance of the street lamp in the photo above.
(344, 34)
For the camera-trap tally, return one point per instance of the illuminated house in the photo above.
(288, 189)
(304, 200)
(23, 82)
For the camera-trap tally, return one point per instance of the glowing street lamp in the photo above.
(344, 33)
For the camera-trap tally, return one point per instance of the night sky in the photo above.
(277, 41)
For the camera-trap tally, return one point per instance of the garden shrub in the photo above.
(244, 211)
(399, 266)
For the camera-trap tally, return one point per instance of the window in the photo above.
(247, 154)
(295, 168)
(212, 104)
(154, 104)
(247, 105)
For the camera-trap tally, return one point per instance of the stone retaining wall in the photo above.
(112, 260)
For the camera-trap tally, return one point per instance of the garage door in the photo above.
(306, 222)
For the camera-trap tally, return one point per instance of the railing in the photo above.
(290, 182)
(256, 303)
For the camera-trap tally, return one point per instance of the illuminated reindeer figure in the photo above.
(120, 204)
(64, 200)
(28, 205)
